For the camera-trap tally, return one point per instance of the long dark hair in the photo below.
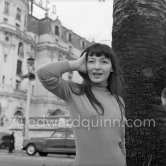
(115, 81)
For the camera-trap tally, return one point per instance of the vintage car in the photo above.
(60, 142)
(4, 139)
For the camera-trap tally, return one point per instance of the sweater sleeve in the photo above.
(50, 77)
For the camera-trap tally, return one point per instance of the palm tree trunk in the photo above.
(139, 38)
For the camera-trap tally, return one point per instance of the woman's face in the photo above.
(98, 68)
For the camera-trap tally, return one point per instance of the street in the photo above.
(24, 160)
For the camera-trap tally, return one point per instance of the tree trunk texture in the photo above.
(139, 39)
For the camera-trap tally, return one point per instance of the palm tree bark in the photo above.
(139, 39)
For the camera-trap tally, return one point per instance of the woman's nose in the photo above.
(97, 65)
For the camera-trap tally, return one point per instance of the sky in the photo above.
(91, 19)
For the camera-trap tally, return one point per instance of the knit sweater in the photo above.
(100, 140)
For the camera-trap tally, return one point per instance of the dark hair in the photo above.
(163, 93)
(114, 80)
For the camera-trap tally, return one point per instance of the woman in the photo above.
(96, 100)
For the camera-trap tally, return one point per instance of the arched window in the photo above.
(57, 32)
(19, 117)
(5, 58)
(56, 112)
(6, 38)
(18, 14)
(19, 67)
(60, 57)
(69, 37)
(19, 113)
(25, 21)
(6, 9)
(3, 79)
(83, 44)
(20, 49)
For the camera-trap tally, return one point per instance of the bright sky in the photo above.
(91, 19)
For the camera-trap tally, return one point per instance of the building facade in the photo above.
(22, 36)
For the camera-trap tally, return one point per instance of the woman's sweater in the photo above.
(100, 140)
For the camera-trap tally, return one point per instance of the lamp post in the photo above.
(31, 77)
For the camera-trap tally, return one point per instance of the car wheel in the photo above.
(70, 155)
(31, 150)
(43, 153)
(3, 146)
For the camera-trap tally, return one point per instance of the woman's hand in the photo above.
(82, 63)
(79, 64)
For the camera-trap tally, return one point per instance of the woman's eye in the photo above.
(104, 62)
(90, 61)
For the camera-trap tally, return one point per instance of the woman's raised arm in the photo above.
(50, 77)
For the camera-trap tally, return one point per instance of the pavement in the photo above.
(16, 152)
(23, 153)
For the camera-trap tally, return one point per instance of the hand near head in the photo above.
(79, 64)
(82, 63)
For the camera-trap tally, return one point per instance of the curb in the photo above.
(5, 151)
(23, 153)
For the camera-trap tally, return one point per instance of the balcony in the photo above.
(15, 30)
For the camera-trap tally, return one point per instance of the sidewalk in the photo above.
(23, 153)
(17, 152)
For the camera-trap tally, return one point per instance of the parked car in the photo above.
(61, 141)
(4, 139)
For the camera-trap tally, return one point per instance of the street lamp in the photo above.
(31, 68)
(31, 77)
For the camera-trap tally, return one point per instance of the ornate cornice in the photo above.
(19, 34)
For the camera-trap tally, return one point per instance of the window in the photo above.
(70, 135)
(70, 48)
(18, 14)
(7, 38)
(5, 58)
(19, 113)
(3, 79)
(20, 50)
(57, 30)
(60, 58)
(59, 135)
(25, 21)
(19, 67)
(57, 41)
(69, 37)
(18, 117)
(33, 90)
(82, 44)
(5, 20)
(56, 112)
(18, 85)
(18, 26)
(6, 9)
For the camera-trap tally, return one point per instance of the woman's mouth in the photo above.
(97, 74)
